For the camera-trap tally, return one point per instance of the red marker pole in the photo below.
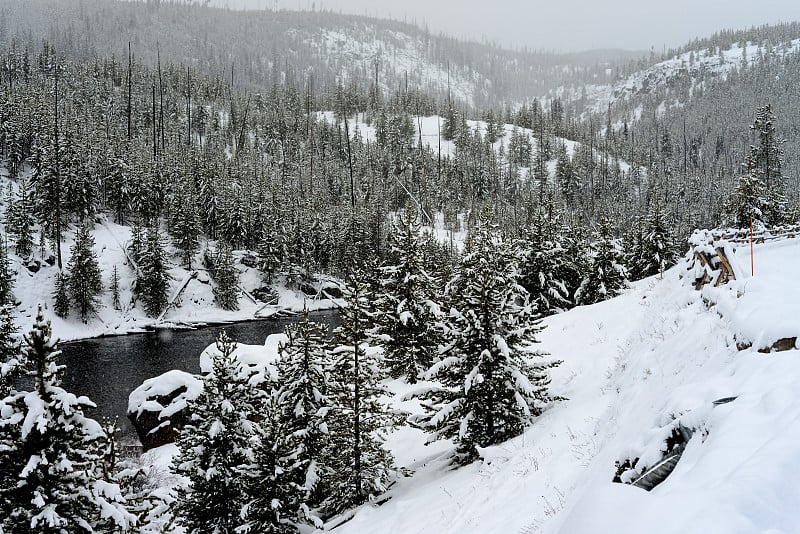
(752, 259)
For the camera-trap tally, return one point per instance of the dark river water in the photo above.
(108, 369)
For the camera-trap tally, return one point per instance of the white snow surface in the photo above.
(634, 367)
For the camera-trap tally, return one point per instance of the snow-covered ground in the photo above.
(634, 366)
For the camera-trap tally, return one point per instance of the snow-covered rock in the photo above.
(159, 407)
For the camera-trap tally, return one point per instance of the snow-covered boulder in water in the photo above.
(158, 408)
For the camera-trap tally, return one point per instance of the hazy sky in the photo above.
(566, 25)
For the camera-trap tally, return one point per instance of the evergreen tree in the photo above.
(6, 276)
(760, 192)
(185, 222)
(540, 267)
(61, 304)
(52, 456)
(216, 448)
(115, 302)
(226, 276)
(277, 495)
(19, 219)
(655, 250)
(136, 245)
(493, 383)
(9, 352)
(85, 282)
(271, 253)
(568, 180)
(606, 277)
(356, 467)
(406, 310)
(303, 400)
(153, 282)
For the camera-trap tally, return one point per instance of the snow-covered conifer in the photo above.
(606, 277)
(115, 302)
(10, 360)
(19, 219)
(493, 382)
(61, 301)
(85, 282)
(406, 308)
(226, 292)
(356, 466)
(540, 268)
(153, 283)
(185, 221)
(52, 456)
(216, 448)
(303, 400)
(6, 276)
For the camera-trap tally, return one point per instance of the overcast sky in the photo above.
(564, 25)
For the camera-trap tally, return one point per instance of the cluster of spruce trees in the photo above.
(307, 444)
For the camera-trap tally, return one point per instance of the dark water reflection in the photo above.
(108, 369)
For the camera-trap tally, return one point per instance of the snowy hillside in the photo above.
(635, 368)
(719, 63)
(190, 291)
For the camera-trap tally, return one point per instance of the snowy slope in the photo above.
(191, 305)
(633, 368)
(718, 63)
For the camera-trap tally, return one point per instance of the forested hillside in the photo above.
(450, 198)
(261, 48)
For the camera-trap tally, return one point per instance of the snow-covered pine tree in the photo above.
(566, 177)
(760, 192)
(153, 283)
(271, 252)
(540, 264)
(61, 301)
(85, 281)
(606, 277)
(52, 454)
(226, 292)
(749, 199)
(19, 219)
(216, 448)
(355, 465)
(303, 400)
(278, 497)
(185, 221)
(575, 267)
(115, 302)
(406, 310)
(658, 247)
(493, 383)
(136, 244)
(9, 351)
(6, 276)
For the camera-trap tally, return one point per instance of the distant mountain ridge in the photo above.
(264, 47)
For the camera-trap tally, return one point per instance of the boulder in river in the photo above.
(158, 408)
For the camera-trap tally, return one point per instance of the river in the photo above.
(107, 369)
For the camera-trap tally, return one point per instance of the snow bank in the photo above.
(634, 367)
